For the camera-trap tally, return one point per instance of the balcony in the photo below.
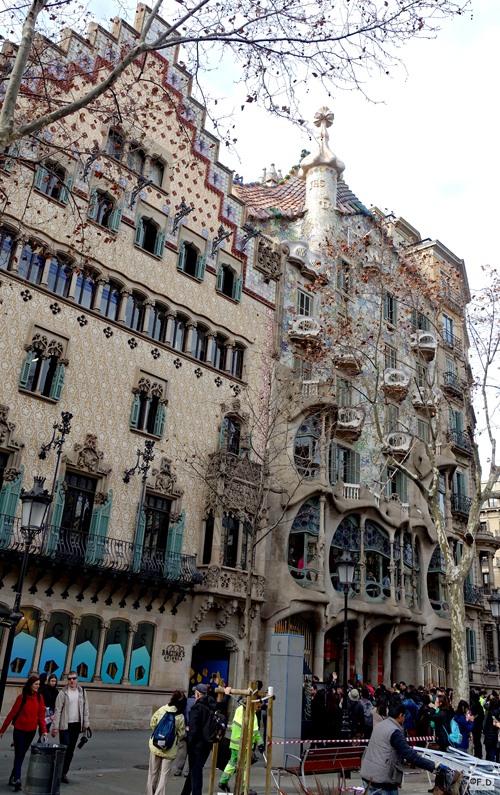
(451, 297)
(419, 401)
(230, 582)
(473, 595)
(85, 551)
(396, 383)
(423, 343)
(305, 327)
(351, 491)
(309, 389)
(349, 423)
(460, 505)
(453, 385)
(460, 441)
(451, 341)
(345, 359)
(397, 445)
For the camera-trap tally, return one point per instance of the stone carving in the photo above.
(46, 347)
(305, 327)
(268, 260)
(152, 388)
(254, 611)
(203, 609)
(7, 431)
(163, 479)
(87, 456)
(230, 609)
(233, 581)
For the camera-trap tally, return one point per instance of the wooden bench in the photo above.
(338, 759)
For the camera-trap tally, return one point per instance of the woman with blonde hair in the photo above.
(161, 759)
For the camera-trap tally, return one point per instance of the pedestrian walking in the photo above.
(477, 712)
(49, 693)
(181, 758)
(234, 745)
(27, 713)
(198, 748)
(161, 759)
(71, 717)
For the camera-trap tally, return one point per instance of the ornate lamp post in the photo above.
(61, 430)
(142, 467)
(345, 567)
(34, 507)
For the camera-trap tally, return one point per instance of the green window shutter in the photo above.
(9, 497)
(451, 418)
(181, 256)
(139, 542)
(459, 421)
(66, 189)
(93, 205)
(357, 467)
(467, 643)
(159, 425)
(115, 218)
(237, 287)
(220, 277)
(25, 370)
(98, 533)
(473, 646)
(222, 433)
(56, 518)
(136, 407)
(160, 244)
(13, 151)
(57, 382)
(41, 175)
(334, 463)
(138, 230)
(201, 263)
(174, 549)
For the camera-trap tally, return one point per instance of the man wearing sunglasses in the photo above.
(71, 717)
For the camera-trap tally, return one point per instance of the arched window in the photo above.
(199, 343)
(157, 322)
(115, 646)
(346, 536)
(378, 559)
(148, 412)
(87, 643)
(6, 246)
(24, 643)
(219, 352)
(42, 374)
(59, 278)
(136, 158)
(156, 172)
(230, 435)
(32, 263)
(148, 407)
(236, 366)
(49, 179)
(140, 663)
(114, 144)
(85, 288)
(110, 301)
(134, 312)
(55, 644)
(303, 543)
(178, 336)
(307, 447)
(437, 589)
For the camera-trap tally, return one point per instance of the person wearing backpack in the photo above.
(367, 710)
(234, 744)
(27, 713)
(442, 720)
(355, 714)
(465, 723)
(200, 739)
(168, 730)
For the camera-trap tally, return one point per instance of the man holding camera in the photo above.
(71, 717)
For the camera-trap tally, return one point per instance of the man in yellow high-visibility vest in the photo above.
(234, 745)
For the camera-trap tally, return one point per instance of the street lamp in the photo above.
(345, 568)
(34, 507)
(494, 601)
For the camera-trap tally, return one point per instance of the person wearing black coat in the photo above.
(198, 748)
(476, 709)
(492, 715)
(49, 693)
(318, 714)
(442, 722)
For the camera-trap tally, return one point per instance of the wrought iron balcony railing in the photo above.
(473, 594)
(460, 503)
(460, 440)
(452, 384)
(75, 548)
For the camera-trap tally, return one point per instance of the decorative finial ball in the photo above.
(323, 115)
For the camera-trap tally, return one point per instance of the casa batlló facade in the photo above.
(145, 293)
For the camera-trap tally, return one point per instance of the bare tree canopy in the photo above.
(276, 47)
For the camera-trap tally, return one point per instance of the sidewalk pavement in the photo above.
(117, 762)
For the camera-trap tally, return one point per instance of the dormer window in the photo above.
(136, 159)
(52, 181)
(149, 237)
(156, 172)
(227, 283)
(114, 145)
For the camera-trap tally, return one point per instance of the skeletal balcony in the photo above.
(397, 445)
(396, 383)
(305, 327)
(349, 423)
(423, 343)
(419, 399)
(345, 359)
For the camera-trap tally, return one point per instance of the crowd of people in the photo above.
(428, 712)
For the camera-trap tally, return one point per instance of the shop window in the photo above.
(436, 584)
(148, 407)
(134, 312)
(191, 261)
(136, 158)
(6, 248)
(230, 435)
(178, 335)
(307, 447)
(24, 643)
(157, 322)
(43, 370)
(209, 539)
(156, 172)
(115, 646)
(199, 343)
(219, 352)
(148, 236)
(114, 144)
(53, 181)
(110, 301)
(236, 366)
(85, 289)
(59, 278)
(32, 263)
(140, 664)
(86, 645)
(55, 644)
(303, 543)
(227, 283)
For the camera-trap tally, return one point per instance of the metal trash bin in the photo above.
(45, 769)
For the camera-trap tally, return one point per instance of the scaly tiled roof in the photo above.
(288, 200)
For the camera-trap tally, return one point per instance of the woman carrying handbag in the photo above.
(26, 715)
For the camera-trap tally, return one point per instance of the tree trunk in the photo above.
(458, 642)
